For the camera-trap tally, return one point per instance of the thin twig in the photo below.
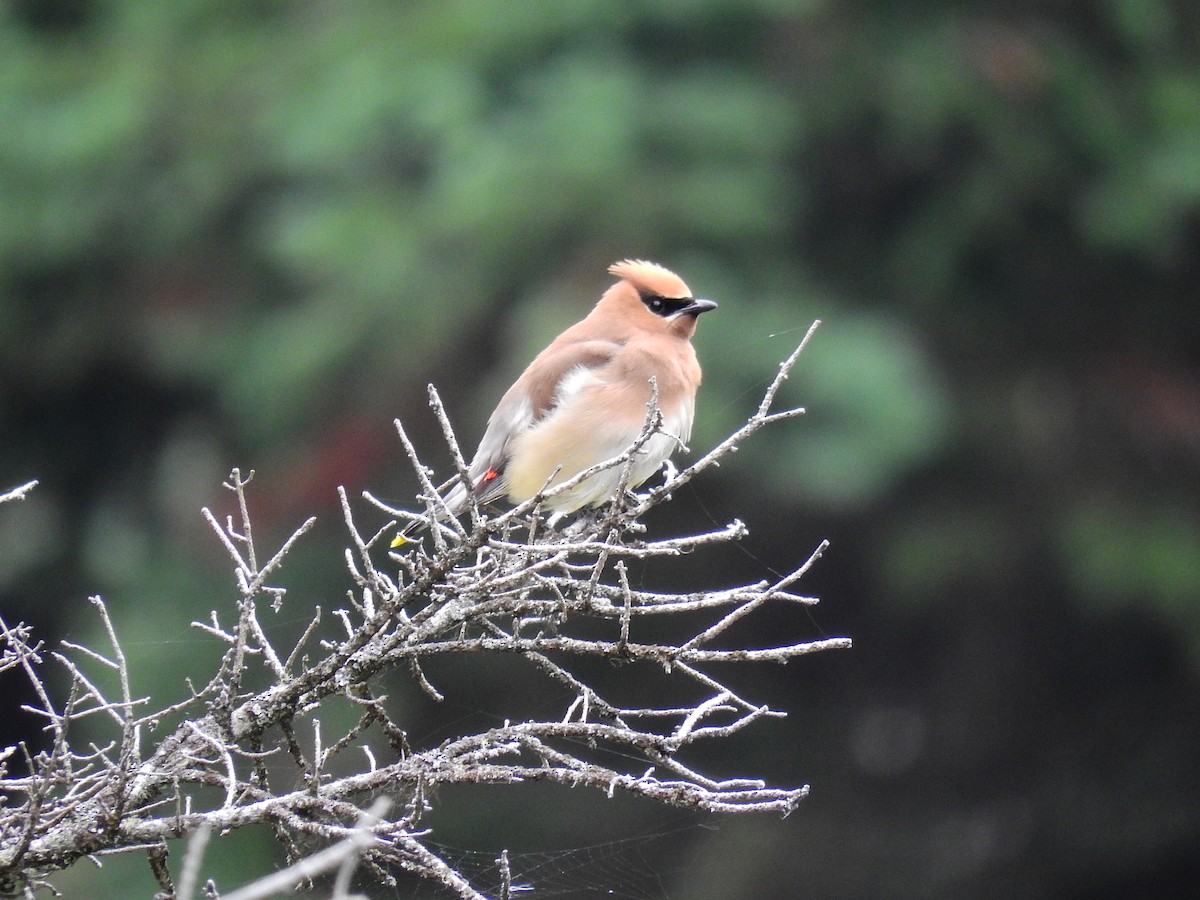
(18, 493)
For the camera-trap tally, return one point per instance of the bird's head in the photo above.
(655, 298)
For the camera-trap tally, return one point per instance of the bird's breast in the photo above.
(595, 420)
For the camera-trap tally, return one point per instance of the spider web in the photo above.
(624, 869)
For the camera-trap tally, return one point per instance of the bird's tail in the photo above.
(407, 534)
(453, 503)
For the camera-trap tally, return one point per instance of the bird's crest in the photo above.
(648, 276)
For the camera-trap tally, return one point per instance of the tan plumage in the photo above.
(583, 399)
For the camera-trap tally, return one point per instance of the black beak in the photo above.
(698, 306)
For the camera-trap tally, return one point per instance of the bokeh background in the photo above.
(249, 233)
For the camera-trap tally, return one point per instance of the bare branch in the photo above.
(18, 493)
(554, 598)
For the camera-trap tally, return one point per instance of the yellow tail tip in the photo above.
(398, 541)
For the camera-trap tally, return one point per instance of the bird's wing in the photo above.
(530, 398)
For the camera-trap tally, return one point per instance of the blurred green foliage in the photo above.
(249, 233)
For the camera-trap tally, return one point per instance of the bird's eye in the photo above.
(663, 306)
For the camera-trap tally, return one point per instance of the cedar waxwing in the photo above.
(583, 399)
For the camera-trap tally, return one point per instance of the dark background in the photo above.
(249, 233)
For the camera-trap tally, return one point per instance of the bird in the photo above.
(583, 400)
